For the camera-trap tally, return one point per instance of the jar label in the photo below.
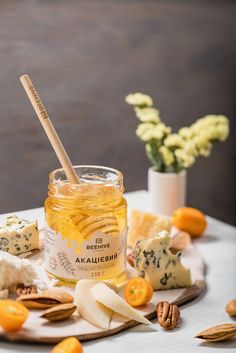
(100, 256)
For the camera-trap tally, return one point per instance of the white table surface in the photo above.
(218, 247)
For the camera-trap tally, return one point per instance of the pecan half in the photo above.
(22, 289)
(168, 315)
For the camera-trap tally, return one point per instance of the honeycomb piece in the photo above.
(144, 225)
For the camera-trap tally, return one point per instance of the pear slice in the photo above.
(106, 296)
(88, 307)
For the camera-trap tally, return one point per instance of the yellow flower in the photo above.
(149, 131)
(147, 114)
(222, 119)
(209, 122)
(186, 132)
(185, 159)
(178, 150)
(144, 131)
(206, 150)
(206, 129)
(167, 155)
(174, 140)
(201, 140)
(222, 132)
(190, 148)
(139, 99)
(160, 131)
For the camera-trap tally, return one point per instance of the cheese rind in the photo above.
(18, 236)
(106, 296)
(161, 268)
(14, 270)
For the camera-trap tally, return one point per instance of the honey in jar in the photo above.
(86, 225)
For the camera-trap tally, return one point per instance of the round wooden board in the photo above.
(39, 330)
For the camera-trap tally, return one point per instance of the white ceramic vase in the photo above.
(167, 191)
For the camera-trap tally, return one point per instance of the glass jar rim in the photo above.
(113, 177)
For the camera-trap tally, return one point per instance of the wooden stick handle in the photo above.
(49, 129)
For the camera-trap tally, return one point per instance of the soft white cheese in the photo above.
(161, 268)
(18, 236)
(14, 270)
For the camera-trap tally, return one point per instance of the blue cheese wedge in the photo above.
(161, 268)
(14, 270)
(18, 235)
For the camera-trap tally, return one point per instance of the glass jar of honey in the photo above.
(86, 225)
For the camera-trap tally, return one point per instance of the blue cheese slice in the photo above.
(18, 235)
(161, 268)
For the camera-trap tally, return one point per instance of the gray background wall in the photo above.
(84, 57)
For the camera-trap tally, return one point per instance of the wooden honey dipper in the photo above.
(49, 129)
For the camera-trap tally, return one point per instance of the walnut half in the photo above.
(168, 315)
(22, 289)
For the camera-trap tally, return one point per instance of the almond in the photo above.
(218, 333)
(46, 299)
(59, 312)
